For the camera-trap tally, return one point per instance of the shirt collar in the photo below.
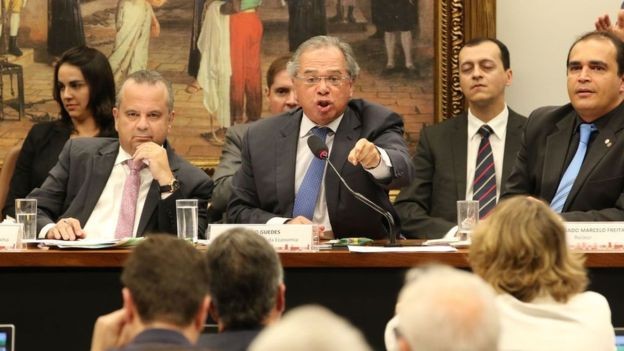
(498, 124)
(307, 125)
(122, 156)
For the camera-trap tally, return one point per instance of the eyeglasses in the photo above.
(334, 80)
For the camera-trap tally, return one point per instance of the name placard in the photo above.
(10, 236)
(595, 236)
(283, 237)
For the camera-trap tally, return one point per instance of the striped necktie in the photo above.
(484, 184)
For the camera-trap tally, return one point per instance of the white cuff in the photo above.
(382, 171)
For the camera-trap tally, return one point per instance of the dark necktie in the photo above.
(305, 200)
(484, 184)
(569, 176)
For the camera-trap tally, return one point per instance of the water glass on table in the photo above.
(26, 213)
(187, 217)
(467, 218)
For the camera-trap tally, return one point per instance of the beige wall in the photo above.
(538, 34)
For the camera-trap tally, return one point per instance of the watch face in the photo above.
(175, 185)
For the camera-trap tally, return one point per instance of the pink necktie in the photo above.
(127, 212)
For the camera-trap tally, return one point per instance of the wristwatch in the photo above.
(171, 187)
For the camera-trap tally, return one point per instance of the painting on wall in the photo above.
(394, 43)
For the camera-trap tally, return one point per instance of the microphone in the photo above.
(320, 150)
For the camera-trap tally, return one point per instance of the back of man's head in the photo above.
(310, 328)
(444, 309)
(167, 280)
(245, 276)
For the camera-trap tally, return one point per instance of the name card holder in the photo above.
(595, 236)
(283, 237)
(11, 236)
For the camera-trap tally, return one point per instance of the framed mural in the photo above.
(423, 95)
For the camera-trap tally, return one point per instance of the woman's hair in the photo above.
(521, 249)
(99, 77)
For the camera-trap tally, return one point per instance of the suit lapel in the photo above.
(555, 155)
(285, 158)
(101, 166)
(600, 146)
(345, 138)
(512, 144)
(153, 194)
(459, 152)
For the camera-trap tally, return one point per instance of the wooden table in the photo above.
(54, 296)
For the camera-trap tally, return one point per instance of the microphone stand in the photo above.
(392, 234)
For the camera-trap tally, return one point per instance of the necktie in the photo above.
(484, 184)
(127, 212)
(305, 200)
(569, 176)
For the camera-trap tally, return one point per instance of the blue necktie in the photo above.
(567, 180)
(484, 184)
(305, 201)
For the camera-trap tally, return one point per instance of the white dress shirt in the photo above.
(304, 158)
(103, 220)
(497, 142)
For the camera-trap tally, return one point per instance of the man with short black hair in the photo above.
(246, 288)
(468, 156)
(164, 297)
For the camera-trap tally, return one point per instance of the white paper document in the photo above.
(367, 249)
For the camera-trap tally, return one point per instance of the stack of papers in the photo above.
(91, 244)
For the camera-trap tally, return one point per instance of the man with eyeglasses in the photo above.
(280, 181)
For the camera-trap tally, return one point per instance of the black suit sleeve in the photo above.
(414, 202)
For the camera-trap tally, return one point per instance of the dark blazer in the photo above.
(598, 191)
(228, 340)
(158, 339)
(228, 165)
(428, 206)
(264, 187)
(76, 182)
(39, 154)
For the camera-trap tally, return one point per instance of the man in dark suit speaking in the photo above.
(280, 181)
(448, 156)
(107, 188)
(571, 156)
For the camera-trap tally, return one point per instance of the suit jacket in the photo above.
(39, 154)
(228, 165)
(264, 187)
(428, 206)
(228, 340)
(76, 182)
(598, 191)
(158, 339)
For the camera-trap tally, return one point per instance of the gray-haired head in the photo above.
(324, 41)
(442, 309)
(146, 77)
(310, 328)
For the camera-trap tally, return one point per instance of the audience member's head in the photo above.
(246, 280)
(280, 92)
(310, 328)
(595, 69)
(84, 87)
(143, 110)
(521, 250)
(165, 284)
(484, 73)
(444, 309)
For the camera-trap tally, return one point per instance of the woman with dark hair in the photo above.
(84, 89)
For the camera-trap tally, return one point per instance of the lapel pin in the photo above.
(608, 142)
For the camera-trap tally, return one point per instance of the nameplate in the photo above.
(283, 237)
(595, 236)
(10, 236)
